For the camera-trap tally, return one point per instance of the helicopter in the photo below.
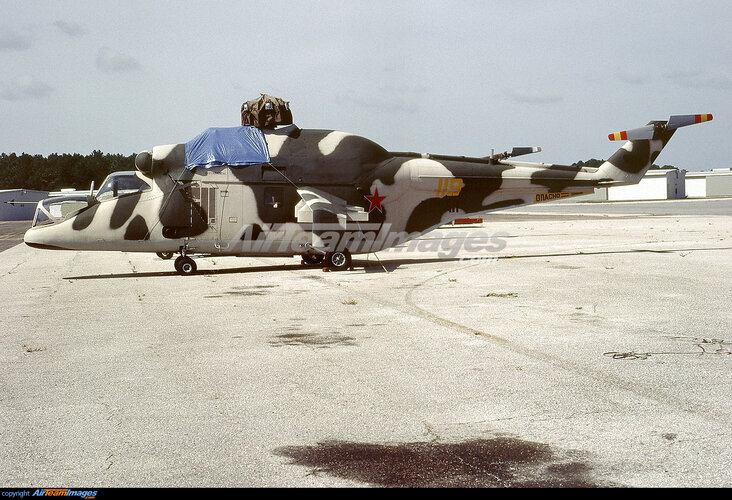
(270, 189)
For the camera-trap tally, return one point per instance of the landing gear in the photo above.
(313, 259)
(185, 266)
(164, 255)
(340, 260)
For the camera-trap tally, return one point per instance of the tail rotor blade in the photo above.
(685, 120)
(635, 134)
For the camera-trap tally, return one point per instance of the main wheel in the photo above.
(313, 259)
(164, 255)
(338, 260)
(185, 266)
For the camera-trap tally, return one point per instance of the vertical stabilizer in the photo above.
(629, 164)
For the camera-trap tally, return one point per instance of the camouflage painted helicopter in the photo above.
(259, 190)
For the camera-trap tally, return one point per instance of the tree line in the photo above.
(60, 171)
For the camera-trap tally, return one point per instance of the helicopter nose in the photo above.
(36, 238)
(31, 238)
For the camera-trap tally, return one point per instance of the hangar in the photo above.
(715, 182)
(19, 204)
(669, 184)
(663, 184)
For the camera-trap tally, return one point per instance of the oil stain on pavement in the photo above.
(497, 462)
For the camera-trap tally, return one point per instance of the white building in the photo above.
(669, 184)
(696, 184)
(19, 204)
(665, 184)
(715, 182)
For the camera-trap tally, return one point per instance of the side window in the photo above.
(120, 184)
(131, 185)
(206, 198)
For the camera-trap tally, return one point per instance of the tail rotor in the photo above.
(644, 144)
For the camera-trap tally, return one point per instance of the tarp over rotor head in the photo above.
(227, 146)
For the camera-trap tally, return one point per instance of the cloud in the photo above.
(24, 88)
(700, 80)
(687, 78)
(634, 78)
(534, 97)
(10, 40)
(383, 102)
(70, 28)
(111, 61)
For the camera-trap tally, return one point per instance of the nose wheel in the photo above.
(185, 266)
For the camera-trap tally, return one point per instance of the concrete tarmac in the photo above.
(11, 233)
(559, 345)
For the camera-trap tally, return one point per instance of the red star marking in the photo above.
(375, 200)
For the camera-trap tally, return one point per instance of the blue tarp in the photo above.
(232, 146)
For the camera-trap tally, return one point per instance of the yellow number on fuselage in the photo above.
(449, 187)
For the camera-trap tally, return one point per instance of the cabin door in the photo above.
(222, 206)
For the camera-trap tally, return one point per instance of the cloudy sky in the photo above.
(449, 77)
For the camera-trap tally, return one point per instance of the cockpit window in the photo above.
(121, 183)
(56, 209)
(41, 218)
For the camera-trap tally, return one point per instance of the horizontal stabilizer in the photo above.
(651, 131)
(524, 151)
(516, 151)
